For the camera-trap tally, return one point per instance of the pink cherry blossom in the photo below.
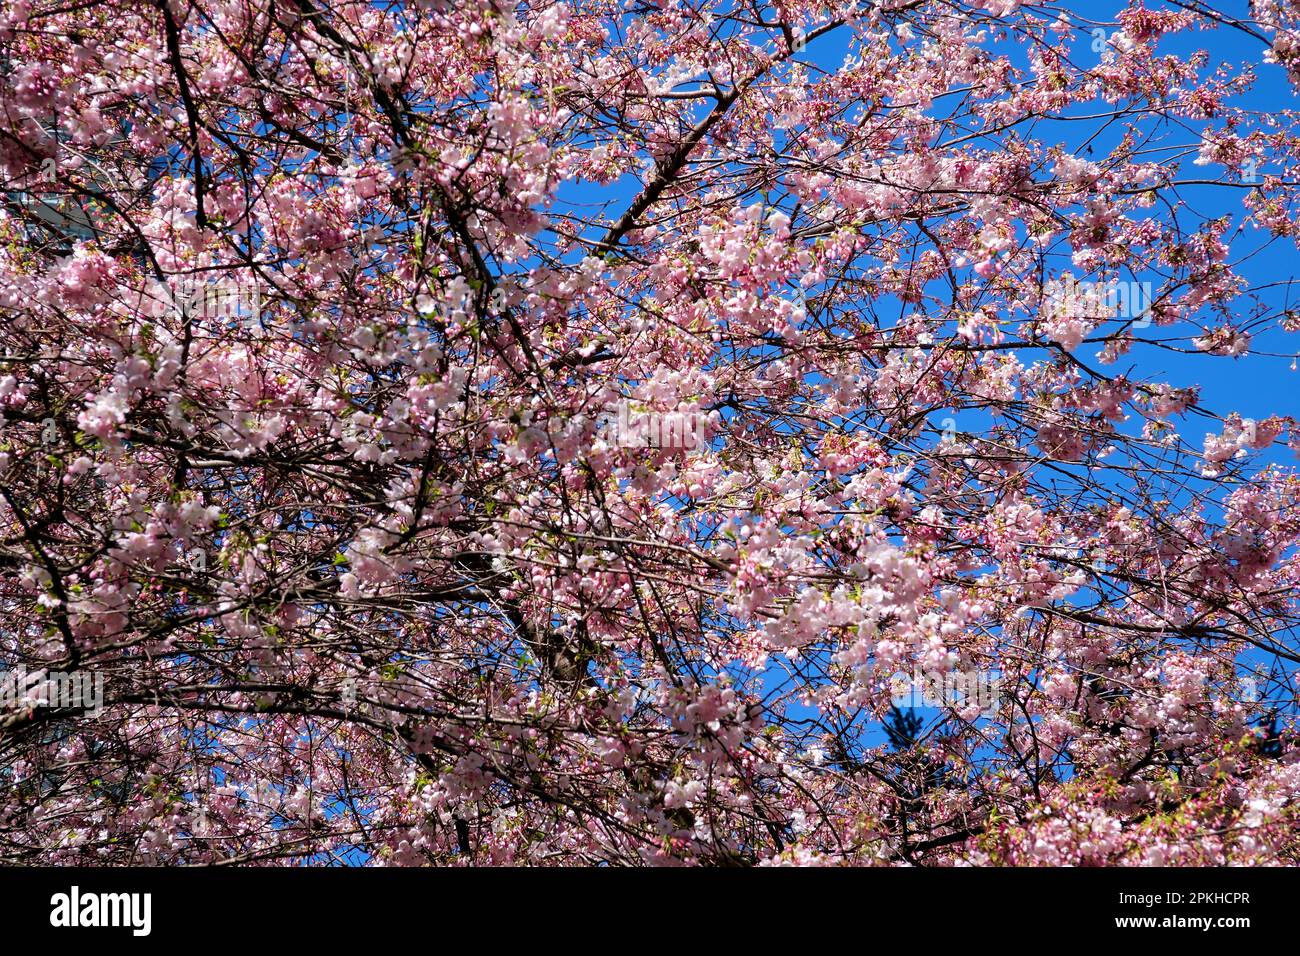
(560, 433)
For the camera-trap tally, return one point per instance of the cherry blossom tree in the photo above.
(475, 433)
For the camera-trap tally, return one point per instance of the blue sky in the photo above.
(1261, 384)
